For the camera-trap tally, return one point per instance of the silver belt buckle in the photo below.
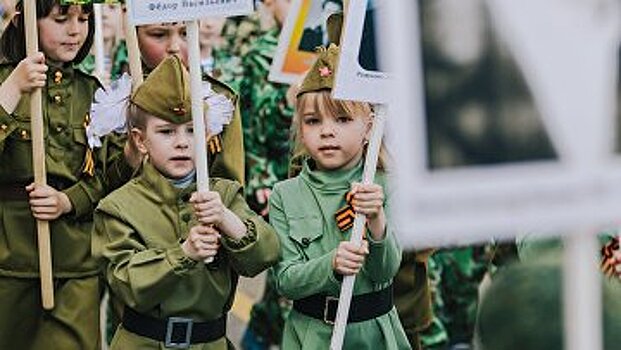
(173, 322)
(326, 309)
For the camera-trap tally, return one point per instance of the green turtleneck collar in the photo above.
(331, 180)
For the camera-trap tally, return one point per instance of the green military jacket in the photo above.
(302, 212)
(138, 233)
(66, 104)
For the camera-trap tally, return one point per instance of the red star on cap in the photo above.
(324, 71)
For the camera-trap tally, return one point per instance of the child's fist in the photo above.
(202, 243)
(47, 203)
(368, 199)
(349, 257)
(30, 73)
(208, 207)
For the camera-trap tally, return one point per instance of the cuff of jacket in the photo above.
(248, 239)
(334, 278)
(80, 201)
(7, 124)
(374, 242)
(180, 262)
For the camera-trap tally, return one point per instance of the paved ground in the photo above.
(248, 291)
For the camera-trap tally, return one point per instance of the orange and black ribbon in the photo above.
(609, 263)
(215, 145)
(346, 215)
(89, 161)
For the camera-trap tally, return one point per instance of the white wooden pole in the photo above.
(582, 293)
(368, 174)
(198, 118)
(198, 115)
(100, 70)
(133, 51)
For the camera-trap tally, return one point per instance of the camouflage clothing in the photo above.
(227, 68)
(454, 277)
(266, 118)
(241, 33)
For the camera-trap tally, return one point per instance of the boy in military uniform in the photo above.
(155, 232)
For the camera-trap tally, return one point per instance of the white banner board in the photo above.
(162, 11)
(359, 76)
(503, 120)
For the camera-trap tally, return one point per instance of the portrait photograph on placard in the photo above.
(360, 76)
(479, 107)
(303, 31)
(367, 57)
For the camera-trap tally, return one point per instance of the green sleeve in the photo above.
(7, 126)
(384, 258)
(258, 250)
(297, 277)
(84, 196)
(111, 172)
(141, 277)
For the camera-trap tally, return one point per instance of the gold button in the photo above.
(24, 134)
(58, 99)
(3, 127)
(58, 77)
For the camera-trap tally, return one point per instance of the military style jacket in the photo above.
(71, 167)
(138, 233)
(302, 212)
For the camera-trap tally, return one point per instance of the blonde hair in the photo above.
(137, 117)
(322, 101)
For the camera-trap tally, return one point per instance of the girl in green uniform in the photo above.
(312, 214)
(74, 183)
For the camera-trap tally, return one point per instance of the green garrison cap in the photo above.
(321, 74)
(165, 93)
(522, 309)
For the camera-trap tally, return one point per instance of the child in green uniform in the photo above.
(75, 183)
(155, 232)
(312, 215)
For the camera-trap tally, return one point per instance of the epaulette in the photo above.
(87, 75)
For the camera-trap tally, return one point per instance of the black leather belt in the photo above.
(175, 332)
(363, 307)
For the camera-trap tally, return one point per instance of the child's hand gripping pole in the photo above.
(368, 174)
(198, 117)
(38, 161)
